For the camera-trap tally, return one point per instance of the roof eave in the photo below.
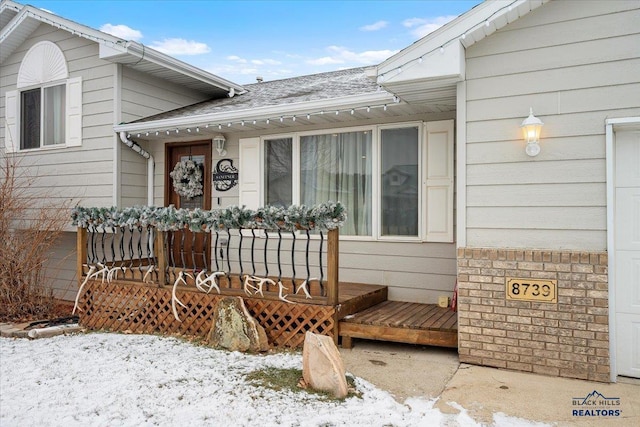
(119, 50)
(262, 113)
(464, 31)
(140, 51)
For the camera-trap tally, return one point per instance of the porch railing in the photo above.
(294, 261)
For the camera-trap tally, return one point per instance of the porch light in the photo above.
(531, 127)
(219, 141)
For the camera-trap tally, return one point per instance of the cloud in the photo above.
(236, 58)
(375, 26)
(342, 55)
(180, 47)
(265, 62)
(121, 31)
(420, 27)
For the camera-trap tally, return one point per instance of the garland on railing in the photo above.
(325, 216)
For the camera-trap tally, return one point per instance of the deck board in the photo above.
(405, 322)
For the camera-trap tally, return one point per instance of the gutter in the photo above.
(143, 52)
(259, 113)
(150, 164)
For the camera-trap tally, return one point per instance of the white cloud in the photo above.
(421, 27)
(342, 55)
(236, 58)
(180, 47)
(325, 60)
(121, 31)
(375, 26)
(265, 62)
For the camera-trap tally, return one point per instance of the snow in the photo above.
(102, 379)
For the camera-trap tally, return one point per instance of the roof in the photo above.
(18, 22)
(293, 90)
(334, 98)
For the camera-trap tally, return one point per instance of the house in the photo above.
(543, 244)
(93, 81)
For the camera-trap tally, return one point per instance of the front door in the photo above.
(627, 252)
(189, 250)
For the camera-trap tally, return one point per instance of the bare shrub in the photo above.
(29, 227)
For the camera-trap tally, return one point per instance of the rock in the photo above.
(322, 367)
(234, 329)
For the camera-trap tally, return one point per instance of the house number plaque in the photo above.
(529, 289)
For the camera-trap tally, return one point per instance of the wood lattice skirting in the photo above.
(139, 308)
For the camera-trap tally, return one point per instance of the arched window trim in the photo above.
(44, 67)
(43, 63)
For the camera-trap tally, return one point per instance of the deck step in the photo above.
(405, 322)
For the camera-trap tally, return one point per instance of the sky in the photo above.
(240, 40)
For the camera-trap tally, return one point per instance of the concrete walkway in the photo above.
(432, 372)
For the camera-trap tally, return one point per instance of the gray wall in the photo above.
(577, 64)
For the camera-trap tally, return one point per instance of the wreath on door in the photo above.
(187, 178)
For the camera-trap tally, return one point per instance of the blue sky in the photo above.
(239, 40)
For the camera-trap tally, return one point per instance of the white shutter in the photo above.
(249, 173)
(439, 181)
(74, 112)
(11, 141)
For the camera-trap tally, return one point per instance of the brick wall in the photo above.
(569, 338)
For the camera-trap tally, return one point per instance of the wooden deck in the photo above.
(404, 322)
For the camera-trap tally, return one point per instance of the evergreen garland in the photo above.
(323, 217)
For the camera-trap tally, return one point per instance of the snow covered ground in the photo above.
(100, 379)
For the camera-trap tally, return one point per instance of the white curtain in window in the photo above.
(337, 167)
(54, 115)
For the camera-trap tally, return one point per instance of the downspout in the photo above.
(150, 164)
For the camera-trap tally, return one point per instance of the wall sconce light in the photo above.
(531, 127)
(219, 141)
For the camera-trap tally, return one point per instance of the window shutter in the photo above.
(11, 141)
(439, 181)
(249, 174)
(74, 112)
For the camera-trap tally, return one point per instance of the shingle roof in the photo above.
(335, 84)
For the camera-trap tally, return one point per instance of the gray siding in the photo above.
(60, 271)
(79, 173)
(576, 64)
(142, 96)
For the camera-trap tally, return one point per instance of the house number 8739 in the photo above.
(528, 289)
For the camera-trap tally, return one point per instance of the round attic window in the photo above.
(43, 63)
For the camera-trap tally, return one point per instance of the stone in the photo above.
(234, 329)
(322, 367)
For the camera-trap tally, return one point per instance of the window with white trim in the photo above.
(45, 110)
(42, 116)
(396, 181)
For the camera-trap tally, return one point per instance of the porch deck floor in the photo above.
(412, 323)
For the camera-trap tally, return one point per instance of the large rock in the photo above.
(234, 329)
(322, 367)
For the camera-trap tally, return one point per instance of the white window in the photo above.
(46, 108)
(396, 181)
(42, 117)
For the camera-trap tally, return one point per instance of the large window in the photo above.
(42, 117)
(396, 181)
